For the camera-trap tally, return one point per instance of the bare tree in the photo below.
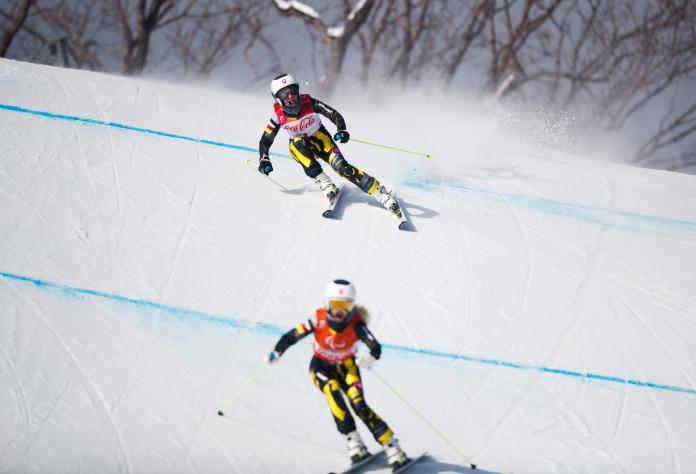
(625, 55)
(337, 38)
(260, 69)
(378, 24)
(412, 23)
(76, 26)
(15, 19)
(607, 60)
(616, 58)
(150, 16)
(675, 130)
(459, 40)
(509, 33)
(197, 36)
(214, 32)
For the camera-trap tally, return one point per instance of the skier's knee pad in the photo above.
(341, 166)
(354, 392)
(368, 184)
(313, 170)
(361, 408)
(373, 422)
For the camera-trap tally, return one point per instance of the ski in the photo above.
(399, 214)
(355, 467)
(403, 223)
(409, 464)
(328, 212)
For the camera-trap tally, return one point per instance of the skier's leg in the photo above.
(326, 149)
(383, 434)
(330, 387)
(303, 154)
(352, 386)
(325, 379)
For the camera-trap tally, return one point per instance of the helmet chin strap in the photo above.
(292, 110)
(337, 325)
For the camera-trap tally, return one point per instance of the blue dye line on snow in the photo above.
(272, 329)
(72, 118)
(594, 215)
(183, 313)
(549, 370)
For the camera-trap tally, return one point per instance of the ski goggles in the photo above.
(337, 306)
(286, 91)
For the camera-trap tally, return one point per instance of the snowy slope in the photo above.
(540, 316)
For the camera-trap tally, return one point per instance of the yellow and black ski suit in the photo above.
(316, 144)
(340, 374)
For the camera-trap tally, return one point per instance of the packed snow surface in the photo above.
(538, 316)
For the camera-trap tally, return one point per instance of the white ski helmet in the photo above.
(341, 293)
(281, 82)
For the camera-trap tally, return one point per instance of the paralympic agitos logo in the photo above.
(330, 341)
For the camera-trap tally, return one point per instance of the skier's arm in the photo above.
(329, 112)
(291, 337)
(265, 143)
(268, 137)
(369, 339)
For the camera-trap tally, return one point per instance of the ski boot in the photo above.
(395, 455)
(387, 199)
(357, 451)
(325, 184)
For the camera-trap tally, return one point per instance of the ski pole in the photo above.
(248, 161)
(432, 427)
(241, 389)
(275, 182)
(427, 155)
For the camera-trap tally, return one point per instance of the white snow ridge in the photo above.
(539, 316)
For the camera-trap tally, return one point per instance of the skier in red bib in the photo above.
(339, 327)
(298, 115)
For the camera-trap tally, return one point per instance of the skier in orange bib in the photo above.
(339, 327)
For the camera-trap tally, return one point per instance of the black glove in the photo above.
(376, 351)
(342, 136)
(273, 357)
(265, 165)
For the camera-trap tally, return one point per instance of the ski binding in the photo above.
(355, 467)
(409, 464)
